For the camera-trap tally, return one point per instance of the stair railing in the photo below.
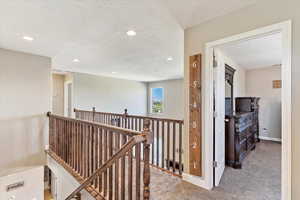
(106, 160)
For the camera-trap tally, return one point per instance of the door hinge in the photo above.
(215, 114)
(215, 164)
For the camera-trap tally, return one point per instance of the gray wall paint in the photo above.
(109, 94)
(259, 84)
(24, 101)
(262, 13)
(173, 98)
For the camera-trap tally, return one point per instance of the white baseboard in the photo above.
(196, 180)
(270, 139)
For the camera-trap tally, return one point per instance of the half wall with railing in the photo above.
(166, 152)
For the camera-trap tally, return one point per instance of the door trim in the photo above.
(285, 28)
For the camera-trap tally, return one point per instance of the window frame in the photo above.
(163, 100)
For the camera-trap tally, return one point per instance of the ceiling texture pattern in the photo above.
(256, 53)
(94, 32)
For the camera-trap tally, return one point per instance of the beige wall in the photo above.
(24, 101)
(58, 94)
(263, 13)
(109, 94)
(259, 84)
(173, 98)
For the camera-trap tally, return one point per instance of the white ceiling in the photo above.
(256, 53)
(94, 31)
(193, 12)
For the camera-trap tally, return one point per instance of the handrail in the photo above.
(133, 141)
(127, 115)
(93, 123)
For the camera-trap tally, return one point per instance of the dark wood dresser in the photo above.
(241, 131)
(249, 104)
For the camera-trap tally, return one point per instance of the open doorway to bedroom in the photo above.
(249, 77)
(247, 85)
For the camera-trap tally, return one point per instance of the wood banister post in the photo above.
(146, 174)
(94, 111)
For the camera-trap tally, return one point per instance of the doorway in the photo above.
(285, 30)
(68, 99)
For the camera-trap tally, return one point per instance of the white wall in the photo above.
(33, 188)
(65, 182)
(109, 94)
(173, 98)
(259, 84)
(24, 101)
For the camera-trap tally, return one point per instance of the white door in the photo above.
(219, 94)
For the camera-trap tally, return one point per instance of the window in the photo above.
(157, 97)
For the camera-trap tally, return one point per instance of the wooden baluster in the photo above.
(152, 161)
(174, 146)
(138, 170)
(157, 143)
(89, 150)
(168, 145)
(64, 141)
(117, 143)
(105, 159)
(146, 173)
(93, 144)
(180, 148)
(101, 158)
(123, 171)
(130, 175)
(163, 144)
(110, 188)
(96, 152)
(76, 146)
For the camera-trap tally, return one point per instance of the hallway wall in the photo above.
(24, 101)
(173, 98)
(109, 94)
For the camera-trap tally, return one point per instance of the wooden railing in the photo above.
(166, 151)
(106, 160)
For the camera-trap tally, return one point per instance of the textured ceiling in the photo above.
(193, 12)
(94, 31)
(256, 53)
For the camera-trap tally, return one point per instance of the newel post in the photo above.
(125, 117)
(94, 111)
(149, 135)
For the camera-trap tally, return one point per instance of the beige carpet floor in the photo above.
(260, 179)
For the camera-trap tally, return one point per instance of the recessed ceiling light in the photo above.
(169, 59)
(131, 33)
(28, 38)
(76, 60)
(113, 72)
